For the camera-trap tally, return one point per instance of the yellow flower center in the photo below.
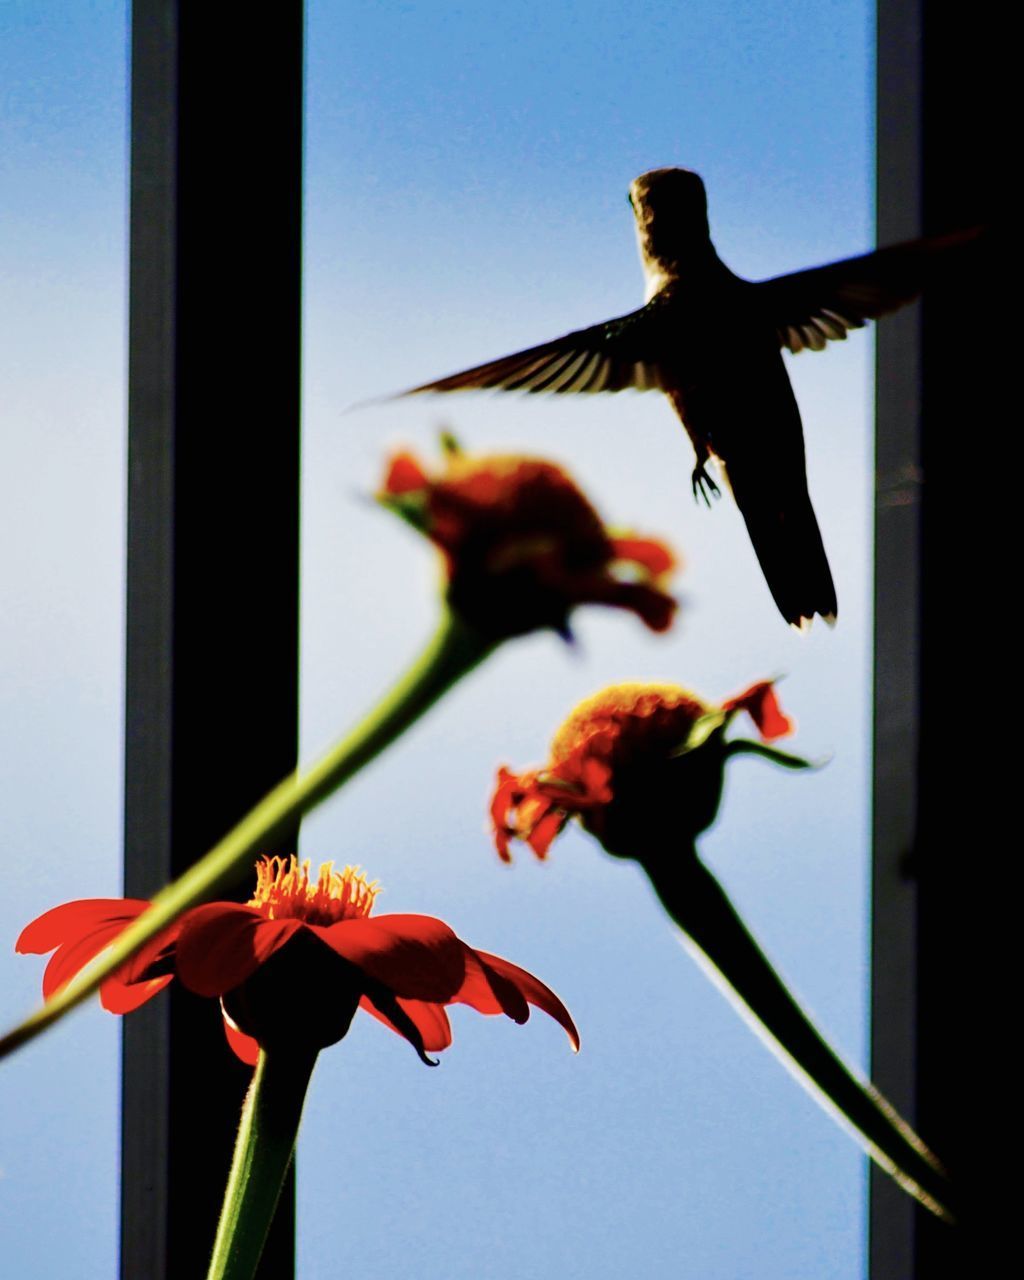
(284, 890)
(627, 720)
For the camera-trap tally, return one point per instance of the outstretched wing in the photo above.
(810, 307)
(605, 357)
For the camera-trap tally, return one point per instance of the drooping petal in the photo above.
(405, 475)
(73, 921)
(223, 943)
(486, 991)
(144, 975)
(531, 808)
(122, 997)
(385, 1003)
(154, 960)
(650, 554)
(543, 833)
(505, 797)
(595, 780)
(430, 1020)
(762, 705)
(531, 988)
(72, 956)
(243, 1046)
(416, 957)
(654, 608)
(80, 931)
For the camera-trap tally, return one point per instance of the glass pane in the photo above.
(62, 326)
(467, 174)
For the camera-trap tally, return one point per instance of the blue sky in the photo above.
(466, 180)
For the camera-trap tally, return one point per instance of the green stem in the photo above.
(696, 901)
(746, 747)
(263, 1151)
(454, 651)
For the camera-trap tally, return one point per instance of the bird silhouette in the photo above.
(712, 343)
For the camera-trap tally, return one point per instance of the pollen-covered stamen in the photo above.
(284, 891)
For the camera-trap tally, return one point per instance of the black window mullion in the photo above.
(212, 548)
(945, 550)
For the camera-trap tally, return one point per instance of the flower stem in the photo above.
(455, 650)
(746, 747)
(263, 1151)
(724, 947)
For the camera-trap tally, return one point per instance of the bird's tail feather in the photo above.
(787, 542)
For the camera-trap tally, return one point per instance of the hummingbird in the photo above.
(712, 343)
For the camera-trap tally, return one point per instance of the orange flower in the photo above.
(523, 546)
(293, 964)
(639, 764)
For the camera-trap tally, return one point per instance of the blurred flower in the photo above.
(523, 546)
(640, 765)
(292, 965)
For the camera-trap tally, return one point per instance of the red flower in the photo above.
(523, 546)
(294, 963)
(635, 763)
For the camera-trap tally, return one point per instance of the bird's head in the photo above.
(671, 211)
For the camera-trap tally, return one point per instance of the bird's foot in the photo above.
(703, 486)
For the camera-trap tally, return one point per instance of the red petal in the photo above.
(651, 555)
(762, 705)
(596, 781)
(417, 957)
(651, 606)
(80, 931)
(405, 475)
(221, 944)
(69, 958)
(121, 997)
(159, 949)
(430, 1019)
(72, 921)
(486, 991)
(243, 1046)
(146, 973)
(534, 991)
(654, 608)
(544, 832)
(502, 801)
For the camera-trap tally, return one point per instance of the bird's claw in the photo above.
(703, 486)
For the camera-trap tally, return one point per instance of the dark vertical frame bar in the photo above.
(942, 545)
(898, 551)
(213, 549)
